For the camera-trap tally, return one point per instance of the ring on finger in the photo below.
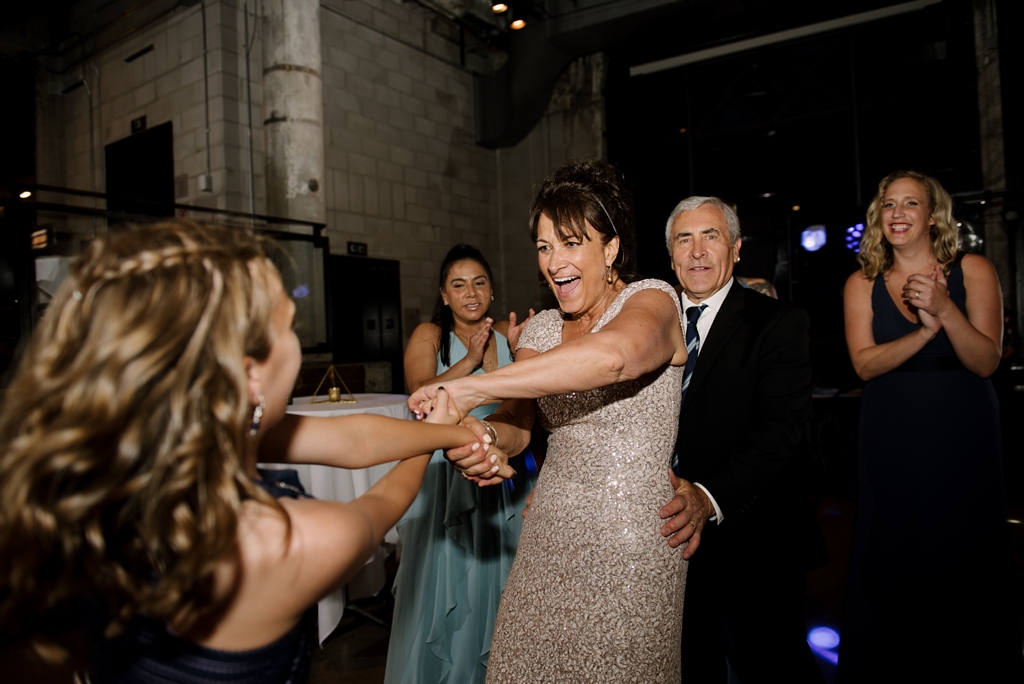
(691, 524)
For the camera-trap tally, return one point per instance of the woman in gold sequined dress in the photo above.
(594, 594)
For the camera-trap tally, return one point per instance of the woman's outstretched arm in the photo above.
(644, 336)
(357, 441)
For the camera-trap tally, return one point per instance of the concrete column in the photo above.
(293, 107)
(993, 156)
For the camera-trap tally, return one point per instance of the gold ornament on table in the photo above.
(333, 392)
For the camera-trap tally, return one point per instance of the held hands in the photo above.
(480, 462)
(929, 296)
(444, 413)
(686, 514)
(514, 331)
(460, 396)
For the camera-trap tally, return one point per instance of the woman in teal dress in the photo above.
(458, 540)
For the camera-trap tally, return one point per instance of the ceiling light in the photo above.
(25, 194)
(796, 207)
(518, 24)
(499, 7)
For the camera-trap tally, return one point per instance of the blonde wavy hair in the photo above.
(122, 436)
(875, 255)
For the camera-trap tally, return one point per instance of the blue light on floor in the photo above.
(823, 641)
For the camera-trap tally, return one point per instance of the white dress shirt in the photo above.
(707, 317)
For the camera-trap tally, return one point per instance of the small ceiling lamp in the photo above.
(518, 24)
(25, 194)
(499, 7)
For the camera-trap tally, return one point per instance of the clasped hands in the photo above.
(928, 295)
(480, 462)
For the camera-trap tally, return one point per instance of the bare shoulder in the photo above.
(302, 532)
(976, 266)
(426, 332)
(262, 534)
(857, 284)
(654, 298)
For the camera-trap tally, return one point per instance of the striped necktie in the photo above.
(692, 343)
(692, 346)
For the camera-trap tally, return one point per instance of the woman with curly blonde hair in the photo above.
(923, 328)
(128, 448)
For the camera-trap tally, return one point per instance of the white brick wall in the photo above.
(402, 171)
(167, 85)
(403, 181)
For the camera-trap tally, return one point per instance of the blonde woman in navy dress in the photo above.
(929, 573)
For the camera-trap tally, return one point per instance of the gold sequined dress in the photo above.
(595, 593)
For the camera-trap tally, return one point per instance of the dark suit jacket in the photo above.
(741, 430)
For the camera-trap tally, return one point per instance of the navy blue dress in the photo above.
(930, 563)
(147, 652)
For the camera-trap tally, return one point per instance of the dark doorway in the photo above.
(366, 303)
(17, 165)
(140, 172)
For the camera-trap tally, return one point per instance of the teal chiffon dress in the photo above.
(458, 543)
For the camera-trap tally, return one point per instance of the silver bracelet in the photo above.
(491, 431)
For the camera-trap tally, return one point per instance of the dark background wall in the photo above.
(813, 123)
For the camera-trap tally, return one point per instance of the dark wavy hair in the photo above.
(443, 314)
(591, 191)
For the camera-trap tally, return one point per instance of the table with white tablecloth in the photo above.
(340, 484)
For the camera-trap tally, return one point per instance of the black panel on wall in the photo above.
(366, 306)
(140, 172)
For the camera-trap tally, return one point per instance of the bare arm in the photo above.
(870, 359)
(977, 337)
(484, 464)
(644, 336)
(357, 441)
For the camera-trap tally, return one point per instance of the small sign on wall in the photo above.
(357, 248)
(138, 125)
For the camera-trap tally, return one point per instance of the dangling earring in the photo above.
(610, 279)
(257, 413)
(492, 298)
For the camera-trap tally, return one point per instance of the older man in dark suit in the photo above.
(739, 503)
